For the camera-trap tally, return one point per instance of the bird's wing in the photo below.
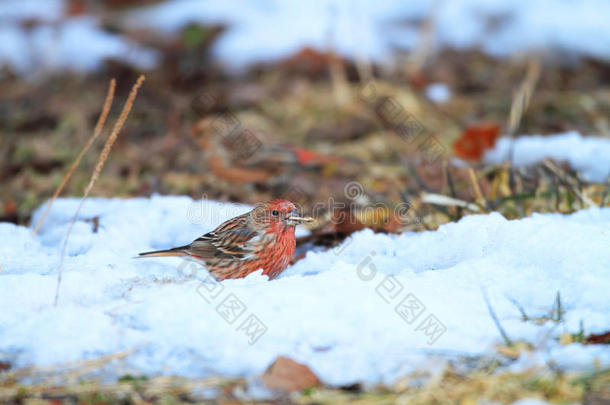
(229, 240)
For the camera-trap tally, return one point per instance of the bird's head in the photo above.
(278, 215)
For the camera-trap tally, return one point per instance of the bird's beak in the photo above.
(300, 219)
(295, 218)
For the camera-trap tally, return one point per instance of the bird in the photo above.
(259, 239)
(240, 154)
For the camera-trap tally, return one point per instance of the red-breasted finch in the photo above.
(260, 239)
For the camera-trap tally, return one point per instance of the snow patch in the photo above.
(588, 155)
(438, 92)
(370, 310)
(263, 31)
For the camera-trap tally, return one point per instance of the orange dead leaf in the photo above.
(10, 207)
(475, 140)
(309, 61)
(287, 375)
(599, 339)
(307, 157)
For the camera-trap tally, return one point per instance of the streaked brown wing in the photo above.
(228, 241)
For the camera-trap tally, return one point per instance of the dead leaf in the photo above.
(475, 140)
(309, 61)
(599, 339)
(514, 351)
(10, 207)
(287, 375)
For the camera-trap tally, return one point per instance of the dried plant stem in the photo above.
(606, 192)
(2, 270)
(439, 199)
(451, 185)
(77, 368)
(424, 47)
(98, 168)
(521, 100)
(96, 132)
(494, 317)
(477, 189)
(569, 182)
(339, 79)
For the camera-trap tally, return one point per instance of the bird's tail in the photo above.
(178, 251)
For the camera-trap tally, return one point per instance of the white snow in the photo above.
(530, 401)
(57, 42)
(333, 310)
(438, 92)
(16, 10)
(260, 31)
(588, 155)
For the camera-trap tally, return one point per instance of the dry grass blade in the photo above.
(338, 78)
(567, 180)
(477, 189)
(77, 368)
(2, 270)
(522, 96)
(96, 132)
(424, 47)
(439, 199)
(138, 391)
(98, 168)
(494, 317)
(521, 100)
(606, 192)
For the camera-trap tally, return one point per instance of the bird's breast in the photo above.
(277, 255)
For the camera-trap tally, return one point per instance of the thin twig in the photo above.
(557, 311)
(96, 172)
(493, 315)
(570, 182)
(524, 316)
(521, 100)
(439, 199)
(449, 180)
(338, 76)
(452, 188)
(96, 132)
(86, 365)
(476, 188)
(404, 196)
(606, 192)
(422, 185)
(424, 47)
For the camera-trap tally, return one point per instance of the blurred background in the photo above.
(248, 101)
(391, 115)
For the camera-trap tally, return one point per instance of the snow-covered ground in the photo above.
(590, 156)
(372, 29)
(370, 310)
(270, 29)
(58, 43)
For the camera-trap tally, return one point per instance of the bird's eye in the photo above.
(275, 213)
